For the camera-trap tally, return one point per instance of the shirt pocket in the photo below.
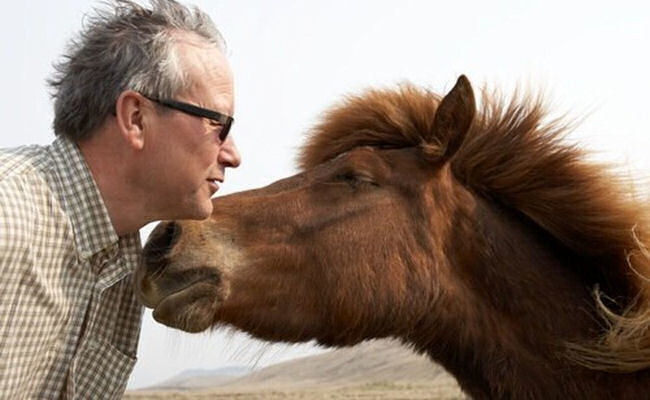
(99, 370)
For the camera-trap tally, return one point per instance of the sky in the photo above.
(293, 58)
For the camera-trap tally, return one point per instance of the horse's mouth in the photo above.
(186, 300)
(191, 308)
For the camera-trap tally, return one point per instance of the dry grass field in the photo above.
(374, 370)
(376, 390)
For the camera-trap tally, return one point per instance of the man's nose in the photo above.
(229, 155)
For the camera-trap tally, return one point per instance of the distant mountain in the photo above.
(372, 361)
(202, 378)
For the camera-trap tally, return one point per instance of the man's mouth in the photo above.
(214, 184)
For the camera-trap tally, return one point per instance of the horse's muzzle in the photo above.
(150, 273)
(183, 289)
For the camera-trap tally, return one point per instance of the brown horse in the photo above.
(480, 238)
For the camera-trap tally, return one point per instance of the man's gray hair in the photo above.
(123, 47)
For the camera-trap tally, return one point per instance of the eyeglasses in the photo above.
(222, 119)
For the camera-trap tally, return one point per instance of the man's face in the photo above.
(186, 159)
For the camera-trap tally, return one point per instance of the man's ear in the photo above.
(129, 111)
(453, 118)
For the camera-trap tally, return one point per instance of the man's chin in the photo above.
(204, 210)
(197, 211)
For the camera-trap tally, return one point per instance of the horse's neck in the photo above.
(511, 306)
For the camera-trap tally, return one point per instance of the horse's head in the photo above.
(345, 250)
(478, 237)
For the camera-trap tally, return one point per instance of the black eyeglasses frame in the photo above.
(224, 120)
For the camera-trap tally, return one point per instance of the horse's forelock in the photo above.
(384, 118)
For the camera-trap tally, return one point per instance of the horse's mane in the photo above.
(515, 154)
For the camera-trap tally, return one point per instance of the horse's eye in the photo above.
(346, 177)
(355, 180)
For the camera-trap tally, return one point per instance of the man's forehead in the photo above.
(204, 56)
(208, 72)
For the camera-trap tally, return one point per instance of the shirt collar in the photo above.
(81, 199)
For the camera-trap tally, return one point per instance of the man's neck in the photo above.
(111, 168)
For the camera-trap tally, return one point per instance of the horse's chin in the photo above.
(191, 309)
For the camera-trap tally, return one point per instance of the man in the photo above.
(143, 106)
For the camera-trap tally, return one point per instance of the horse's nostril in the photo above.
(162, 239)
(172, 233)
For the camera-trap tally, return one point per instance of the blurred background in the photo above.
(294, 58)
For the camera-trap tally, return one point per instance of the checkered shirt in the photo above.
(69, 320)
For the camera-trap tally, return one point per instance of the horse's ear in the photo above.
(453, 119)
